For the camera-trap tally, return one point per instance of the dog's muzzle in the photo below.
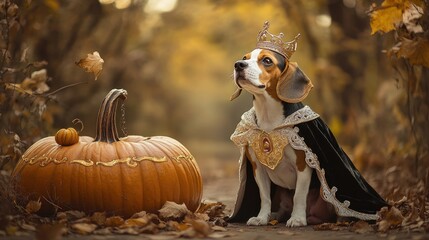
(240, 65)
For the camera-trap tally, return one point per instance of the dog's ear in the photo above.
(293, 85)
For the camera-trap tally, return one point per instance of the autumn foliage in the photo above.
(369, 64)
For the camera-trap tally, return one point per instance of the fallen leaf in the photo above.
(201, 227)
(103, 231)
(383, 226)
(178, 226)
(390, 218)
(172, 210)
(162, 225)
(83, 228)
(139, 214)
(273, 222)
(99, 218)
(83, 220)
(361, 227)
(326, 227)
(135, 222)
(27, 227)
(114, 221)
(151, 228)
(73, 214)
(33, 206)
(212, 209)
(202, 216)
(219, 229)
(92, 63)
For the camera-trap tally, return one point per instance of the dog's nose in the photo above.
(240, 65)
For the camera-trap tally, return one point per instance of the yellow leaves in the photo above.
(92, 63)
(387, 16)
(390, 14)
(397, 14)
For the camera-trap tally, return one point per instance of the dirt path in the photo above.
(224, 190)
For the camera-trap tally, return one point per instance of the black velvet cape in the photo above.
(339, 172)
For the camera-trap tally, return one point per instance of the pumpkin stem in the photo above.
(106, 130)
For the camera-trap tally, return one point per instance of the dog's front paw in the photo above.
(296, 221)
(257, 221)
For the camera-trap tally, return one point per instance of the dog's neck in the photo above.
(269, 111)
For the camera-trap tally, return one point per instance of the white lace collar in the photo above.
(304, 114)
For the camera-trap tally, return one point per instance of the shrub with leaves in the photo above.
(24, 86)
(409, 21)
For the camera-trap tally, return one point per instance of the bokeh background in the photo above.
(175, 58)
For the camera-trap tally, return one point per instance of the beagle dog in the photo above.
(274, 82)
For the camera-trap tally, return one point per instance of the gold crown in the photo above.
(275, 43)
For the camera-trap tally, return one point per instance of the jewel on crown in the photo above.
(275, 43)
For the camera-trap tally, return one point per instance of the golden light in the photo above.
(119, 4)
(160, 6)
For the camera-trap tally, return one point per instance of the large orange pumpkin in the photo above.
(108, 173)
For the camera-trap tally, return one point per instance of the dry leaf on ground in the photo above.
(33, 206)
(390, 218)
(135, 222)
(212, 209)
(201, 227)
(172, 210)
(361, 227)
(99, 218)
(114, 221)
(326, 227)
(84, 228)
(273, 222)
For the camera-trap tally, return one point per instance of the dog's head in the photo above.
(266, 70)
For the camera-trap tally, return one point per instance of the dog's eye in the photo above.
(267, 61)
(244, 58)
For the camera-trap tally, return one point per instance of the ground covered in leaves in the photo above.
(408, 217)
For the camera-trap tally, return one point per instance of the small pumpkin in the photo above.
(108, 173)
(66, 136)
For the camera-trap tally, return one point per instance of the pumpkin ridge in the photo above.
(123, 190)
(136, 200)
(100, 195)
(174, 163)
(197, 181)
